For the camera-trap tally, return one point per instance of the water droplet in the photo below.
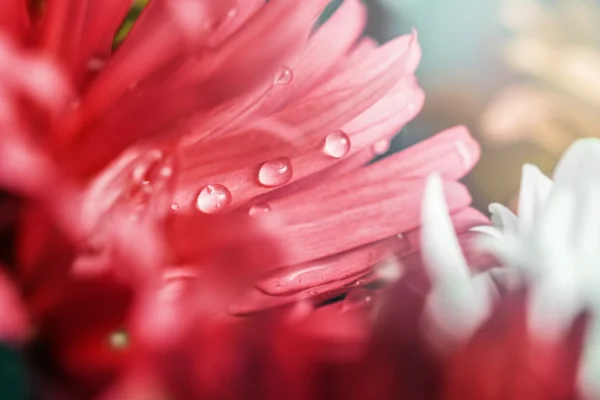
(360, 282)
(259, 209)
(213, 199)
(337, 144)
(381, 146)
(301, 280)
(275, 172)
(119, 340)
(174, 206)
(312, 292)
(284, 76)
(463, 152)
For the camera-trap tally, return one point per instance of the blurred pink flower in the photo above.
(236, 108)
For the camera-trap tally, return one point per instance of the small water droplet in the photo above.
(275, 172)
(312, 292)
(213, 199)
(174, 206)
(301, 280)
(259, 209)
(284, 76)
(360, 282)
(381, 146)
(337, 144)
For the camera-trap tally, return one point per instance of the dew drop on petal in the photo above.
(283, 77)
(381, 146)
(213, 199)
(337, 144)
(312, 292)
(174, 206)
(275, 172)
(259, 209)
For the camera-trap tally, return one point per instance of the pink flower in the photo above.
(236, 108)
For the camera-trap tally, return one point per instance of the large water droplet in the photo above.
(337, 144)
(275, 172)
(284, 76)
(259, 209)
(381, 146)
(213, 199)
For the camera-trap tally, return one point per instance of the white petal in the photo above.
(553, 232)
(535, 187)
(579, 165)
(503, 218)
(487, 230)
(442, 255)
(589, 370)
(554, 302)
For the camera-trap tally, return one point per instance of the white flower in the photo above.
(554, 246)
(458, 302)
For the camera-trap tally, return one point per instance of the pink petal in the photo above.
(451, 153)
(343, 167)
(101, 25)
(38, 79)
(209, 23)
(14, 323)
(255, 300)
(219, 75)
(320, 272)
(14, 17)
(350, 212)
(353, 96)
(325, 48)
(227, 241)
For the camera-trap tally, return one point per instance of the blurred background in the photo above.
(523, 75)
